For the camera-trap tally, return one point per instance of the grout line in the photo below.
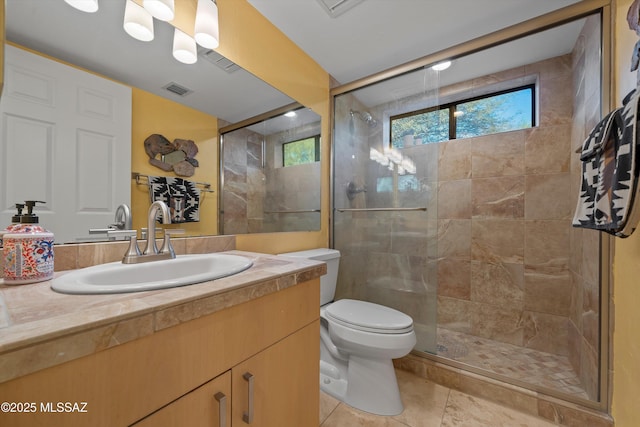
(330, 413)
(446, 405)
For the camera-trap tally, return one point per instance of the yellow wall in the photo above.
(626, 264)
(250, 40)
(153, 114)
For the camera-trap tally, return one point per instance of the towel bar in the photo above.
(206, 187)
(379, 209)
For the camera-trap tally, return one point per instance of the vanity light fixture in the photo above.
(440, 66)
(138, 22)
(184, 48)
(163, 10)
(89, 6)
(206, 28)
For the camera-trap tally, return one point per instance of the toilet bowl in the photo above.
(358, 341)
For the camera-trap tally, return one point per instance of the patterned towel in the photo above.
(610, 174)
(182, 197)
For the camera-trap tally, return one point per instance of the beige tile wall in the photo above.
(255, 186)
(504, 212)
(244, 182)
(584, 297)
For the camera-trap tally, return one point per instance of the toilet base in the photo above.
(370, 386)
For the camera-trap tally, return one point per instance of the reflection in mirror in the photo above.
(211, 86)
(271, 174)
(491, 272)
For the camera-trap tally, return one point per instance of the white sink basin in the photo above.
(117, 277)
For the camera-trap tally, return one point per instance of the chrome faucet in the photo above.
(151, 252)
(157, 206)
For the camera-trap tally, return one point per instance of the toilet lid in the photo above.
(370, 317)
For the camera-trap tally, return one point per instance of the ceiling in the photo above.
(375, 35)
(372, 36)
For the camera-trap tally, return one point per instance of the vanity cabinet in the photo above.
(262, 355)
(272, 388)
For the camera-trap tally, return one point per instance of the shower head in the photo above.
(365, 117)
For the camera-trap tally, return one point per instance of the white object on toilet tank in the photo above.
(328, 281)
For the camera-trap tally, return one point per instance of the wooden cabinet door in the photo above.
(280, 385)
(208, 406)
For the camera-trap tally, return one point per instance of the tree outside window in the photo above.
(301, 152)
(497, 112)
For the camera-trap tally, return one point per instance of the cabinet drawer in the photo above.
(207, 406)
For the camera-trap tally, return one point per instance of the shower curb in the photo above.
(538, 404)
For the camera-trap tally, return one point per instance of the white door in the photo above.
(65, 138)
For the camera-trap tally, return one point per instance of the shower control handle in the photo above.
(352, 190)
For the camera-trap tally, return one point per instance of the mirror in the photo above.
(271, 173)
(213, 86)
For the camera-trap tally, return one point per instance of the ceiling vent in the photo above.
(219, 61)
(177, 89)
(338, 7)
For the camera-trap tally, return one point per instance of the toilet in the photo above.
(358, 341)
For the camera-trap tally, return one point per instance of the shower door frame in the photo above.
(523, 29)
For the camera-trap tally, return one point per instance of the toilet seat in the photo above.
(368, 317)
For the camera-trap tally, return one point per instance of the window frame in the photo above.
(452, 107)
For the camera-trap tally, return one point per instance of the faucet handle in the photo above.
(167, 248)
(133, 250)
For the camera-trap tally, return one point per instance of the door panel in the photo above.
(65, 139)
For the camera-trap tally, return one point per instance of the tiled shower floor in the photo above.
(523, 364)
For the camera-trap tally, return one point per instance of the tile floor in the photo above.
(523, 364)
(429, 405)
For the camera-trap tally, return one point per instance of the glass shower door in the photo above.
(384, 225)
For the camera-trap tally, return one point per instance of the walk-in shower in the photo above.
(453, 193)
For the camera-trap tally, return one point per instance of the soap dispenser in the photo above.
(27, 250)
(15, 220)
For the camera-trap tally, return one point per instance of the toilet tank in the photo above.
(328, 281)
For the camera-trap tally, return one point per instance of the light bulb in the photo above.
(160, 9)
(138, 22)
(184, 48)
(440, 66)
(89, 6)
(206, 27)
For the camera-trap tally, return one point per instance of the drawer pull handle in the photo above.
(222, 409)
(247, 417)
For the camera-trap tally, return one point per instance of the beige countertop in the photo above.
(40, 328)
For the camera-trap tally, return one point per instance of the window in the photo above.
(497, 112)
(301, 152)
